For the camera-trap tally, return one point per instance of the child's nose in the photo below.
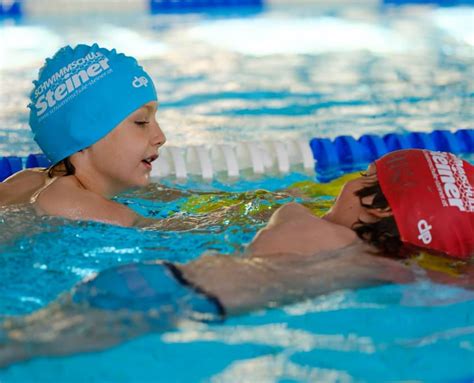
(158, 137)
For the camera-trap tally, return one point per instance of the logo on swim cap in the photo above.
(69, 81)
(451, 180)
(139, 82)
(424, 230)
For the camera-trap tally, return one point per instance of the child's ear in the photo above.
(380, 212)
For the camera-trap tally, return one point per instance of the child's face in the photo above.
(123, 157)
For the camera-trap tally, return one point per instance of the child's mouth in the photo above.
(147, 164)
(147, 161)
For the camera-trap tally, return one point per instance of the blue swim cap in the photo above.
(83, 93)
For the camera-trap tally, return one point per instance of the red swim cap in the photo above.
(432, 199)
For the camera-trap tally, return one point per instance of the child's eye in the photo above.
(141, 123)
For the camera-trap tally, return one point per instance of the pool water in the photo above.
(288, 72)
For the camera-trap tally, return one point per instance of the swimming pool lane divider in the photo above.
(329, 158)
(345, 154)
(176, 5)
(19, 8)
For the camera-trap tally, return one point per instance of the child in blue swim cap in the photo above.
(92, 112)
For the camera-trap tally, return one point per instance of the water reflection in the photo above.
(297, 71)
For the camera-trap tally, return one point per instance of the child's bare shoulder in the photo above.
(18, 188)
(66, 198)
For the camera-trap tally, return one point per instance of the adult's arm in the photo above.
(247, 283)
(241, 283)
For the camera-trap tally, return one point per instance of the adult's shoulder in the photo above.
(294, 229)
(297, 213)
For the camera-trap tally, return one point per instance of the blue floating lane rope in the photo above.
(396, 142)
(184, 5)
(421, 140)
(374, 146)
(345, 154)
(465, 138)
(9, 166)
(10, 8)
(37, 161)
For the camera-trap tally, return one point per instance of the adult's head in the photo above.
(412, 199)
(82, 94)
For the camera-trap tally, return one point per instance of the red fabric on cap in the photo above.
(432, 198)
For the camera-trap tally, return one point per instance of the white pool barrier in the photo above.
(230, 160)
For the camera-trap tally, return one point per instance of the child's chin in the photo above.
(134, 184)
(145, 181)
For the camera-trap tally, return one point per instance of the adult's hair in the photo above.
(384, 233)
(62, 168)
